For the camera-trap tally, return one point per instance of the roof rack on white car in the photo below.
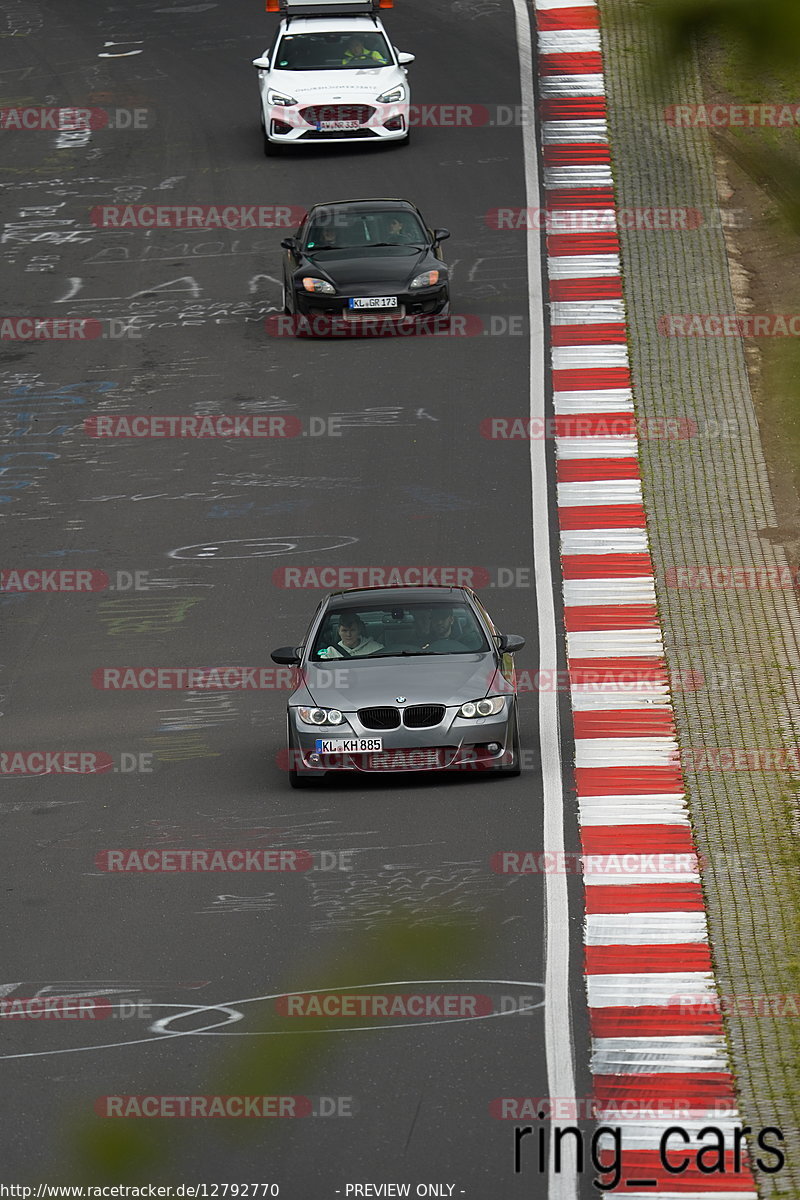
(326, 8)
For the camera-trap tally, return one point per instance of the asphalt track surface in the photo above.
(413, 483)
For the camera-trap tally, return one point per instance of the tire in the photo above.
(406, 141)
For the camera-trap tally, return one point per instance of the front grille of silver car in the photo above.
(422, 716)
(379, 718)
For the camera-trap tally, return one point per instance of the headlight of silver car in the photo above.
(487, 707)
(321, 716)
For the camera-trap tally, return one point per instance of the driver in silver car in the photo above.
(353, 642)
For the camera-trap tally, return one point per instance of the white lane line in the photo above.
(559, 1046)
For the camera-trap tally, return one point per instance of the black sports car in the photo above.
(365, 258)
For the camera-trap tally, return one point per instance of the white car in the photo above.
(332, 75)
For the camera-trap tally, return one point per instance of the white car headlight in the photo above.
(318, 285)
(321, 716)
(488, 707)
(427, 279)
(280, 98)
(393, 96)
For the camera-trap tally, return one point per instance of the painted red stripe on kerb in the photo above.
(583, 618)
(588, 470)
(690, 1019)
(572, 199)
(625, 722)
(556, 19)
(574, 108)
(624, 670)
(560, 245)
(585, 62)
(611, 334)
(606, 566)
(628, 781)
(702, 1088)
(637, 839)
(603, 516)
(603, 424)
(639, 1165)
(591, 379)
(576, 154)
(644, 897)
(594, 287)
(633, 960)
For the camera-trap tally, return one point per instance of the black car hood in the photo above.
(344, 268)
(432, 679)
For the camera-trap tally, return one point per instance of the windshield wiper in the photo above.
(407, 245)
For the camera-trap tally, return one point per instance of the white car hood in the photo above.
(315, 87)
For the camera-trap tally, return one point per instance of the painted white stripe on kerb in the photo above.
(655, 988)
(599, 492)
(587, 175)
(569, 403)
(595, 447)
(646, 1135)
(631, 1055)
(610, 591)
(621, 396)
(645, 928)
(707, 1195)
(546, 4)
(603, 541)
(553, 86)
(569, 41)
(595, 810)
(624, 643)
(626, 752)
(587, 312)
(582, 220)
(598, 872)
(583, 266)
(590, 697)
(593, 129)
(565, 358)
(558, 1032)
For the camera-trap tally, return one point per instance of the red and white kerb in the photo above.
(646, 938)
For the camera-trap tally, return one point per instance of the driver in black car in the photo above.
(353, 642)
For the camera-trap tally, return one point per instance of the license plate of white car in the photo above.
(322, 126)
(348, 745)
(374, 302)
